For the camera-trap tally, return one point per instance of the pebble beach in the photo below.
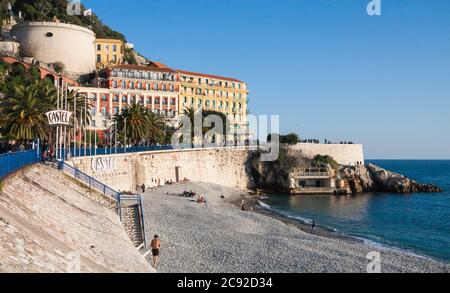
(221, 238)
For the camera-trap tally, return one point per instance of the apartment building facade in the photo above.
(155, 88)
(216, 93)
(108, 52)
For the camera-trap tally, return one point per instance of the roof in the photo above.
(142, 67)
(207, 75)
(108, 40)
(158, 64)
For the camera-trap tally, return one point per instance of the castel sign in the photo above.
(59, 117)
(103, 165)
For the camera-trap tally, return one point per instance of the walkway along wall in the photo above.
(126, 172)
(223, 166)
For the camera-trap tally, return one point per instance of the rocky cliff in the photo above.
(371, 178)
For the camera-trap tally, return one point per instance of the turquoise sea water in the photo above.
(419, 223)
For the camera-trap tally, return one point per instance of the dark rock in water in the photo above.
(387, 181)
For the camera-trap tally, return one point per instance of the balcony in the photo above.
(313, 173)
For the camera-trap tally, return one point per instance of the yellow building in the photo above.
(108, 52)
(216, 93)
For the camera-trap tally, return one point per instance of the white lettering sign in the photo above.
(59, 117)
(103, 165)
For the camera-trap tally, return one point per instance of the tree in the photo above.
(323, 161)
(23, 112)
(141, 124)
(27, 99)
(290, 139)
(191, 114)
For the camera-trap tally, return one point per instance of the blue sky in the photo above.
(327, 68)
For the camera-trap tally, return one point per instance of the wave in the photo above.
(369, 240)
(265, 206)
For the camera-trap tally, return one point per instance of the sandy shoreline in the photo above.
(221, 238)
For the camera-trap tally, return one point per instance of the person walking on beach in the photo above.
(313, 229)
(243, 205)
(156, 246)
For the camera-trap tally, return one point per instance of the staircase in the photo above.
(131, 219)
(128, 207)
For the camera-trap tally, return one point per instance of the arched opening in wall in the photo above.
(50, 78)
(36, 72)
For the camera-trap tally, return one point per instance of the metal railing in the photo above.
(91, 151)
(90, 181)
(107, 191)
(12, 162)
(312, 173)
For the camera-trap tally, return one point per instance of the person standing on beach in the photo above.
(313, 229)
(156, 246)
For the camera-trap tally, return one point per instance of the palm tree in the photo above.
(23, 115)
(139, 124)
(190, 113)
(24, 107)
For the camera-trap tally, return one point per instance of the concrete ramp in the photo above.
(51, 223)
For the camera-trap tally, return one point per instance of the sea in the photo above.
(416, 223)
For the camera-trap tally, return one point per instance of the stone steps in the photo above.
(131, 220)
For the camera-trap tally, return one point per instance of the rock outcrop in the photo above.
(372, 178)
(392, 182)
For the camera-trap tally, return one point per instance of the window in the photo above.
(149, 101)
(114, 84)
(116, 99)
(107, 47)
(185, 100)
(104, 98)
(93, 123)
(124, 99)
(104, 111)
(99, 47)
(93, 111)
(116, 110)
(124, 85)
(94, 97)
(114, 59)
(114, 48)
(99, 58)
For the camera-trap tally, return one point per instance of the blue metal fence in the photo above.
(12, 162)
(107, 191)
(111, 151)
(89, 181)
